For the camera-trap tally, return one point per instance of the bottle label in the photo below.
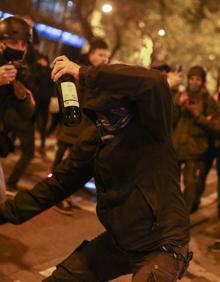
(70, 97)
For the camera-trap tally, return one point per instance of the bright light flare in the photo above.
(211, 57)
(161, 32)
(70, 4)
(107, 8)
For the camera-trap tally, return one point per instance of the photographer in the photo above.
(16, 101)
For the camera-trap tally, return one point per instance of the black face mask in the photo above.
(12, 54)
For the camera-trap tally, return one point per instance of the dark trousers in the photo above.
(55, 119)
(208, 162)
(101, 260)
(26, 139)
(191, 172)
(42, 120)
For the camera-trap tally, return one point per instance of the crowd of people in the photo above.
(128, 112)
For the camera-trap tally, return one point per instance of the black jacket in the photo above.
(15, 114)
(138, 195)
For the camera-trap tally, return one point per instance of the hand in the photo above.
(192, 108)
(184, 98)
(174, 78)
(7, 74)
(20, 90)
(62, 65)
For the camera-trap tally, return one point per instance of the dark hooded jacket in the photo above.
(138, 194)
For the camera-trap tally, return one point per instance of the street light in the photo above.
(69, 4)
(211, 57)
(107, 8)
(161, 32)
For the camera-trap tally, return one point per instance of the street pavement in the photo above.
(29, 252)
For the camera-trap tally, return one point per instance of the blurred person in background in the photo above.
(40, 68)
(215, 153)
(98, 53)
(42, 95)
(212, 154)
(195, 118)
(17, 104)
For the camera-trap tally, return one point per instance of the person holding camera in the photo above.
(16, 101)
(196, 118)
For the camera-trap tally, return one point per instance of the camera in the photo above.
(22, 69)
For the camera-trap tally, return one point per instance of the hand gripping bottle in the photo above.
(68, 100)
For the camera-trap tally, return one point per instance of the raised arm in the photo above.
(147, 89)
(67, 177)
(117, 78)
